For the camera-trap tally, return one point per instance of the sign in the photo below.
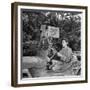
(53, 32)
(44, 31)
(43, 27)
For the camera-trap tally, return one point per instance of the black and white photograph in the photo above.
(51, 44)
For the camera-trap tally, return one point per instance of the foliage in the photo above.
(69, 24)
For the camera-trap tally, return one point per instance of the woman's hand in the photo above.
(62, 56)
(59, 54)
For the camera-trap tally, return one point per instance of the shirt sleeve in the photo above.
(69, 54)
(66, 54)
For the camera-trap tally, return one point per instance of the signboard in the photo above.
(43, 27)
(53, 32)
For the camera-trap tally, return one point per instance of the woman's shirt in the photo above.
(66, 54)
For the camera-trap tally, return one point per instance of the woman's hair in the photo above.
(65, 40)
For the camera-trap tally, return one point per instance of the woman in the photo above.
(65, 55)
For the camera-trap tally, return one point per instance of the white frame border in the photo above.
(53, 79)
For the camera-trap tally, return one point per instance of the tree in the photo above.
(69, 24)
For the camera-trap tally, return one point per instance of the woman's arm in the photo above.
(59, 54)
(62, 56)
